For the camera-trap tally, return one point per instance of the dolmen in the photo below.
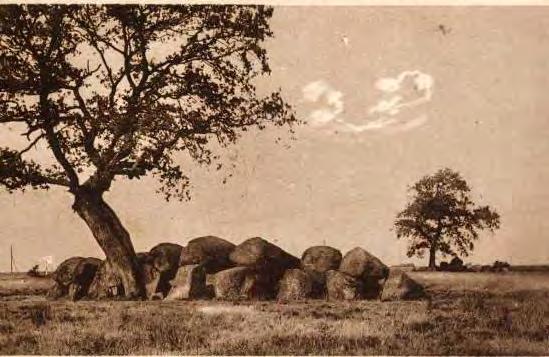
(211, 267)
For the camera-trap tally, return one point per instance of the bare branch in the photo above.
(32, 144)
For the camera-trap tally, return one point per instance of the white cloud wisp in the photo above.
(407, 90)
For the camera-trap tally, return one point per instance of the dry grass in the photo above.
(473, 314)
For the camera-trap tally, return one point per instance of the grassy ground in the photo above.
(21, 286)
(467, 313)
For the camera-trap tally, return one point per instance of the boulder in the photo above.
(151, 277)
(163, 260)
(316, 261)
(400, 286)
(340, 286)
(365, 267)
(295, 285)
(266, 263)
(188, 283)
(360, 264)
(259, 285)
(73, 277)
(85, 273)
(66, 271)
(106, 283)
(228, 283)
(257, 253)
(212, 252)
(244, 283)
(165, 256)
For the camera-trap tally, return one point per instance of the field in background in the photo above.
(21, 286)
(467, 313)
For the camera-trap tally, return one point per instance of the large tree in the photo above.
(442, 217)
(115, 91)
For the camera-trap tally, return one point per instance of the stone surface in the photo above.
(150, 275)
(258, 253)
(359, 263)
(159, 267)
(316, 261)
(228, 283)
(209, 251)
(188, 283)
(400, 286)
(371, 272)
(106, 283)
(340, 286)
(66, 271)
(295, 285)
(73, 278)
(266, 263)
(244, 283)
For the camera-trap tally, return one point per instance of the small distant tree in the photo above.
(441, 217)
(33, 271)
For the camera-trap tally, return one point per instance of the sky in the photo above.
(388, 95)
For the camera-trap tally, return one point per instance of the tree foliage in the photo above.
(114, 91)
(442, 216)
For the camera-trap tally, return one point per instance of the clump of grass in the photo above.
(6, 327)
(39, 314)
(421, 326)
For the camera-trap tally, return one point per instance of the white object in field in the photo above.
(47, 261)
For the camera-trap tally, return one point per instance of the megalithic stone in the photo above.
(188, 283)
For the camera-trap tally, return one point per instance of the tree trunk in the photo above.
(113, 239)
(432, 257)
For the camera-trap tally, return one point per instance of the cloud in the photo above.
(421, 92)
(407, 90)
(391, 106)
(314, 90)
(411, 124)
(332, 102)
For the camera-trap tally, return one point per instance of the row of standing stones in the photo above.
(212, 267)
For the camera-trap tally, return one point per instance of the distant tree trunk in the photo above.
(113, 238)
(432, 257)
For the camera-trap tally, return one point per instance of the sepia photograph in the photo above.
(274, 179)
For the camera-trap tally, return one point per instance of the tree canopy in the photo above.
(442, 217)
(114, 90)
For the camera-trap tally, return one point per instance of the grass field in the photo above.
(21, 286)
(466, 314)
